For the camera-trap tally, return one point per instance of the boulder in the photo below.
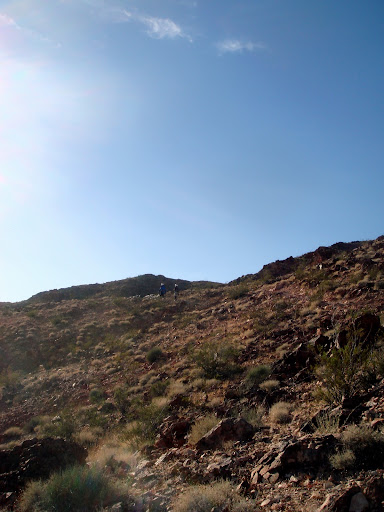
(301, 358)
(226, 430)
(173, 432)
(339, 502)
(294, 455)
(35, 459)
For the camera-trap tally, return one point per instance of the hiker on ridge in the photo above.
(176, 290)
(162, 290)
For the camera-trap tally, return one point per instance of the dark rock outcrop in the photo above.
(294, 455)
(37, 458)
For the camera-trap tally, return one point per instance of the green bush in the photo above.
(96, 395)
(256, 375)
(76, 489)
(217, 361)
(344, 372)
(159, 388)
(64, 426)
(145, 419)
(154, 354)
(239, 291)
(254, 416)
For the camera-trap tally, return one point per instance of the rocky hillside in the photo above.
(273, 383)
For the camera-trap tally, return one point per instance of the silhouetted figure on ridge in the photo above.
(176, 290)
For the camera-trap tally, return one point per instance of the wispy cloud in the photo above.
(237, 46)
(10, 23)
(7, 21)
(162, 28)
(157, 28)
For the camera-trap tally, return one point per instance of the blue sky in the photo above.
(195, 139)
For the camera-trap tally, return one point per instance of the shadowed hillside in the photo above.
(273, 383)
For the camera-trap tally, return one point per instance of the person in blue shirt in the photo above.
(162, 290)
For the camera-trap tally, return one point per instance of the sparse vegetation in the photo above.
(344, 372)
(201, 427)
(269, 385)
(280, 412)
(76, 489)
(256, 375)
(239, 291)
(217, 496)
(139, 380)
(217, 361)
(154, 354)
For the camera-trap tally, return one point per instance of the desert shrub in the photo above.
(327, 422)
(217, 496)
(154, 354)
(239, 291)
(76, 489)
(254, 416)
(96, 395)
(159, 388)
(9, 377)
(201, 427)
(113, 456)
(257, 375)
(280, 412)
(63, 425)
(145, 419)
(217, 361)
(269, 385)
(361, 447)
(344, 459)
(366, 443)
(344, 373)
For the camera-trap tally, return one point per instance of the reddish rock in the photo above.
(227, 430)
(173, 433)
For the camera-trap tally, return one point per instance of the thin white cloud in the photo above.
(7, 21)
(161, 28)
(237, 46)
(157, 28)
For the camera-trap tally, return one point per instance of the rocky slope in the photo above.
(282, 364)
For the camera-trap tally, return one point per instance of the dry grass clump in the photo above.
(201, 427)
(269, 385)
(114, 456)
(13, 433)
(176, 387)
(88, 436)
(217, 496)
(280, 412)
